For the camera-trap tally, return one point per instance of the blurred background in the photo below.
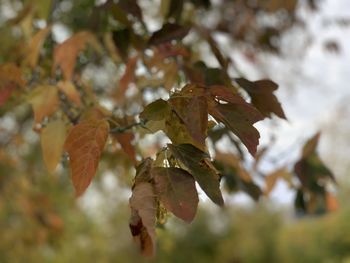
(304, 46)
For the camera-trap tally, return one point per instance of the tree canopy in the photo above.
(146, 90)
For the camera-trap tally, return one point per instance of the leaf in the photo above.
(52, 141)
(121, 39)
(311, 145)
(125, 140)
(128, 76)
(235, 163)
(177, 131)
(272, 178)
(196, 161)
(35, 46)
(177, 191)
(68, 88)
(65, 54)
(168, 32)
(44, 101)
(84, 145)
(261, 93)
(193, 112)
(143, 217)
(10, 78)
(237, 115)
(156, 111)
(143, 171)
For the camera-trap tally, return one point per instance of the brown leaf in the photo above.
(84, 144)
(261, 93)
(237, 115)
(177, 191)
(168, 32)
(128, 77)
(193, 112)
(233, 161)
(271, 179)
(197, 163)
(125, 140)
(143, 217)
(65, 54)
(68, 88)
(44, 101)
(35, 45)
(52, 141)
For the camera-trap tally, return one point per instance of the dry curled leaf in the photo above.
(143, 217)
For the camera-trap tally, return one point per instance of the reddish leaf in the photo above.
(84, 145)
(65, 54)
(143, 217)
(167, 33)
(199, 166)
(177, 191)
(261, 93)
(237, 115)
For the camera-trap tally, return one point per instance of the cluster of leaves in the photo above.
(204, 105)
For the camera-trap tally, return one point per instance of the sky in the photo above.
(313, 88)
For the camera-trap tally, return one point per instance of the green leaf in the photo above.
(261, 93)
(156, 111)
(177, 191)
(198, 164)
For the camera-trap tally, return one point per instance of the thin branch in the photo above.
(126, 128)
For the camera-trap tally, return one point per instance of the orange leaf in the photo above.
(44, 101)
(65, 54)
(84, 144)
(35, 45)
(143, 217)
(125, 140)
(128, 77)
(68, 88)
(52, 141)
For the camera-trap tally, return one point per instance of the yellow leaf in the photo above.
(68, 88)
(44, 101)
(84, 144)
(52, 141)
(65, 54)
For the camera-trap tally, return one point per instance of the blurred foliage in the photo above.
(40, 221)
